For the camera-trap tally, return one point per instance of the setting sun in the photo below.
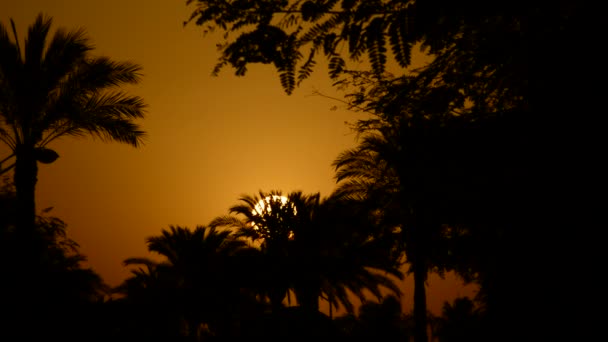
(264, 207)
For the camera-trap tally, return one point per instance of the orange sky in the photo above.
(210, 139)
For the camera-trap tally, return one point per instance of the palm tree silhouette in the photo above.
(202, 275)
(149, 308)
(460, 321)
(310, 249)
(397, 169)
(50, 88)
(269, 220)
(429, 170)
(353, 259)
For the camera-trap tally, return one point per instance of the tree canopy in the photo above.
(52, 86)
(468, 41)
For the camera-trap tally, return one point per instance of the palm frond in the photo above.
(10, 69)
(57, 89)
(149, 263)
(101, 73)
(227, 221)
(65, 52)
(118, 104)
(7, 138)
(108, 129)
(35, 42)
(108, 117)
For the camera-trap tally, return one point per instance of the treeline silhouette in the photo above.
(259, 272)
(455, 170)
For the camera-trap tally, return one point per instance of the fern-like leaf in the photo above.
(288, 79)
(398, 39)
(376, 42)
(336, 66)
(307, 69)
(286, 65)
(323, 28)
(354, 41)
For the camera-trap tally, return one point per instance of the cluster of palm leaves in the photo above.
(437, 177)
(293, 250)
(52, 87)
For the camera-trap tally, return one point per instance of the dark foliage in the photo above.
(46, 291)
(384, 319)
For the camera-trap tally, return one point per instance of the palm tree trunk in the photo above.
(25, 177)
(420, 319)
(308, 292)
(416, 239)
(418, 257)
(276, 301)
(29, 247)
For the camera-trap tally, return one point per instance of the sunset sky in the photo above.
(210, 139)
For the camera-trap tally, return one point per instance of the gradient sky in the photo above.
(210, 139)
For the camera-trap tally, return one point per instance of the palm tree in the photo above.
(52, 87)
(310, 249)
(354, 259)
(460, 321)
(270, 221)
(396, 170)
(202, 275)
(148, 302)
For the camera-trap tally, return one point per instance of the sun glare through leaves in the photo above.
(264, 208)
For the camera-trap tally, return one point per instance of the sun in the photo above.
(263, 207)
